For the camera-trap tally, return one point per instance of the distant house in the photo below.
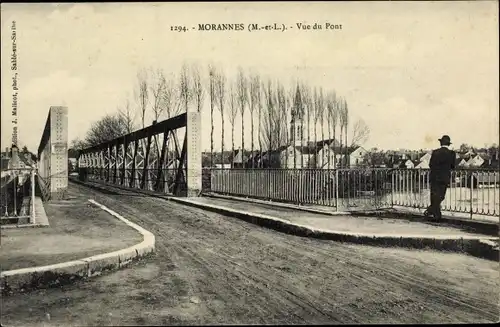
(460, 162)
(356, 156)
(475, 162)
(238, 159)
(423, 165)
(426, 157)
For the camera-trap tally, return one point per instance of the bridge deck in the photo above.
(210, 269)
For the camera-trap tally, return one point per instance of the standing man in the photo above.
(441, 164)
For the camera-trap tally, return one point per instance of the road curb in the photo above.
(483, 227)
(482, 247)
(62, 273)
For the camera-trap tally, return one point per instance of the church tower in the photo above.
(297, 122)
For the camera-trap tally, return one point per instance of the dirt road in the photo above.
(211, 269)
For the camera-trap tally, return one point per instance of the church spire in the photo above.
(296, 123)
(298, 106)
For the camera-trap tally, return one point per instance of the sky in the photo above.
(411, 71)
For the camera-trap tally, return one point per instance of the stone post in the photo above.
(193, 155)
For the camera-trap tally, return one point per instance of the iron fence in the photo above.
(17, 194)
(346, 188)
(470, 191)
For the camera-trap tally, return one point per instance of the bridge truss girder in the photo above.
(150, 158)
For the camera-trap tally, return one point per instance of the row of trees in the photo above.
(269, 105)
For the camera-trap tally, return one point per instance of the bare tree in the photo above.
(213, 97)
(282, 115)
(127, 115)
(233, 110)
(319, 104)
(272, 127)
(291, 103)
(343, 115)
(198, 90)
(333, 118)
(157, 89)
(220, 91)
(268, 121)
(308, 104)
(185, 90)
(142, 94)
(360, 133)
(254, 99)
(142, 97)
(170, 98)
(242, 95)
(260, 105)
(346, 125)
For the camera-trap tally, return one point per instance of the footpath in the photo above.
(81, 240)
(388, 229)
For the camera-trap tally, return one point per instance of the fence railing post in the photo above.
(16, 176)
(392, 189)
(470, 193)
(32, 216)
(336, 189)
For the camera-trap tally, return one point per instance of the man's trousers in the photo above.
(438, 193)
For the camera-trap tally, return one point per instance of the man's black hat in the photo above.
(445, 140)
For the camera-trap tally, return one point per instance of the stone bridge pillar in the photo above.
(193, 143)
(53, 152)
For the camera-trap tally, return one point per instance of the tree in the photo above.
(185, 90)
(464, 147)
(142, 94)
(128, 117)
(220, 92)
(343, 114)
(254, 98)
(374, 158)
(242, 96)
(360, 133)
(333, 119)
(76, 145)
(157, 88)
(282, 117)
(106, 129)
(233, 111)
(198, 91)
(268, 123)
(212, 83)
(319, 104)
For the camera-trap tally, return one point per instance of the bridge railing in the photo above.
(17, 194)
(322, 187)
(472, 192)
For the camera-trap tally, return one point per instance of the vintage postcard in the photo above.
(272, 163)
